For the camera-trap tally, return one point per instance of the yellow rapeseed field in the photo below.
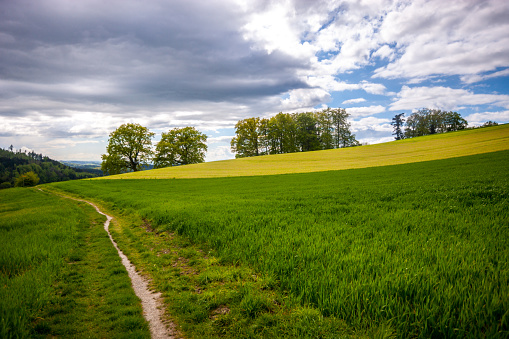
(434, 147)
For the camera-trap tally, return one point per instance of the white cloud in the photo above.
(354, 101)
(477, 119)
(444, 98)
(385, 52)
(446, 38)
(224, 138)
(306, 99)
(469, 79)
(365, 111)
(219, 153)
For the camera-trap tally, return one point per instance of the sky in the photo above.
(71, 71)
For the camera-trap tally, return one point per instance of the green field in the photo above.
(59, 273)
(413, 250)
(433, 147)
(404, 239)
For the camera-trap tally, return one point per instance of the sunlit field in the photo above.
(435, 147)
(421, 248)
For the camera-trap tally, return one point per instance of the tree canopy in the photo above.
(431, 121)
(129, 149)
(297, 132)
(180, 146)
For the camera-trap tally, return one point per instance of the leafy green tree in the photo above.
(454, 122)
(343, 137)
(397, 123)
(283, 133)
(430, 121)
(325, 128)
(27, 179)
(180, 146)
(307, 132)
(129, 149)
(246, 140)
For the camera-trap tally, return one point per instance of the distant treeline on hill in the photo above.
(14, 164)
(426, 122)
(289, 133)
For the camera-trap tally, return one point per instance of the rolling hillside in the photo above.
(435, 147)
(407, 239)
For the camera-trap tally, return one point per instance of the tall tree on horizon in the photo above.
(397, 123)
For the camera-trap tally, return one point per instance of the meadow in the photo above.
(418, 249)
(432, 147)
(59, 274)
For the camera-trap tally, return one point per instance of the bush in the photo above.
(27, 179)
(5, 185)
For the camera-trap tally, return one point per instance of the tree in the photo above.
(27, 179)
(430, 121)
(129, 149)
(180, 146)
(489, 124)
(454, 122)
(398, 122)
(325, 128)
(307, 133)
(343, 137)
(246, 140)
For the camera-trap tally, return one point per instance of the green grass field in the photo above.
(433, 147)
(414, 250)
(60, 276)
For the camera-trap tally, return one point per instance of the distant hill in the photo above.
(89, 166)
(14, 164)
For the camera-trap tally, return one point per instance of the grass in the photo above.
(59, 273)
(434, 147)
(411, 250)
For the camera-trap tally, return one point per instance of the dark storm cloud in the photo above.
(134, 53)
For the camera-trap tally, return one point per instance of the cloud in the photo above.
(354, 101)
(219, 153)
(444, 98)
(224, 138)
(469, 79)
(304, 99)
(365, 111)
(477, 119)
(460, 38)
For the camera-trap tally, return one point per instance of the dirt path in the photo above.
(153, 310)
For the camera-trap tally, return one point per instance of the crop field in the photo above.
(59, 274)
(433, 147)
(420, 248)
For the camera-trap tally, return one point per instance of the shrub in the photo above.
(27, 179)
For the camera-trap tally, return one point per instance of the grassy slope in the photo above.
(420, 248)
(440, 146)
(59, 273)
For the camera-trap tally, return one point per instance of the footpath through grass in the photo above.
(432, 147)
(418, 250)
(59, 273)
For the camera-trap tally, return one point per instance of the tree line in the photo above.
(19, 168)
(130, 149)
(289, 133)
(425, 122)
